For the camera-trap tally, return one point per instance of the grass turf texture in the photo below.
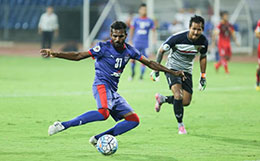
(223, 122)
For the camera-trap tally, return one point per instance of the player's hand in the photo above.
(202, 84)
(180, 73)
(46, 53)
(155, 76)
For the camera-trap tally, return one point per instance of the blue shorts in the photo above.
(116, 104)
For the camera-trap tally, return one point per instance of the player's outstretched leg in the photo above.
(217, 65)
(55, 128)
(130, 122)
(258, 79)
(179, 111)
(160, 99)
(100, 115)
(142, 71)
(132, 70)
(225, 64)
(93, 141)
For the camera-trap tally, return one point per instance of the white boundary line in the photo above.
(80, 93)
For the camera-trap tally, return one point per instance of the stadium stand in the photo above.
(25, 14)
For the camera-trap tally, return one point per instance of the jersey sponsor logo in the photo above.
(141, 32)
(116, 74)
(143, 24)
(97, 48)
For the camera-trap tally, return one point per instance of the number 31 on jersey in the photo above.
(118, 63)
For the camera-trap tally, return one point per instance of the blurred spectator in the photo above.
(181, 20)
(48, 25)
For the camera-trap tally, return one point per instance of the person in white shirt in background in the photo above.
(48, 26)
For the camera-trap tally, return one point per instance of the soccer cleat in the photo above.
(182, 130)
(257, 88)
(160, 99)
(55, 128)
(93, 141)
(216, 67)
(130, 78)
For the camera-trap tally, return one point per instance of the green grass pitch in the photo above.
(223, 122)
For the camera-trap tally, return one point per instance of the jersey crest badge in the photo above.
(127, 58)
(97, 48)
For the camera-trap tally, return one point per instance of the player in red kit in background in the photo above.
(257, 34)
(224, 31)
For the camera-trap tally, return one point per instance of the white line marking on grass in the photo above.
(80, 93)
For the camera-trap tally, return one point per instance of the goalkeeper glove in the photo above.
(155, 76)
(203, 83)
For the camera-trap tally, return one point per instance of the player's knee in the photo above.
(178, 96)
(133, 117)
(104, 112)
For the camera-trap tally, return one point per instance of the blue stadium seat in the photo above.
(25, 14)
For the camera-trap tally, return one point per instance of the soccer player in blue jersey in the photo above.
(111, 58)
(182, 48)
(139, 36)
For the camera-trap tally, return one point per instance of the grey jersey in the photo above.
(182, 51)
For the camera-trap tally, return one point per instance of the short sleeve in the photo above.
(97, 51)
(135, 54)
(133, 23)
(204, 50)
(169, 43)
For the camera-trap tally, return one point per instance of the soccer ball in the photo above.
(107, 144)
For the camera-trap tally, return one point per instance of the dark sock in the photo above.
(178, 110)
(169, 99)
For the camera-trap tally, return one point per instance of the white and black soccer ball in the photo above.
(107, 144)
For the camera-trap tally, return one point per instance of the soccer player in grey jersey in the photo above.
(182, 48)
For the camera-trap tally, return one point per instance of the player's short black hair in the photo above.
(222, 13)
(142, 5)
(197, 19)
(118, 25)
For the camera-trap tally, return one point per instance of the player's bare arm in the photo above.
(131, 35)
(159, 55)
(158, 67)
(203, 64)
(76, 56)
(154, 36)
(233, 33)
